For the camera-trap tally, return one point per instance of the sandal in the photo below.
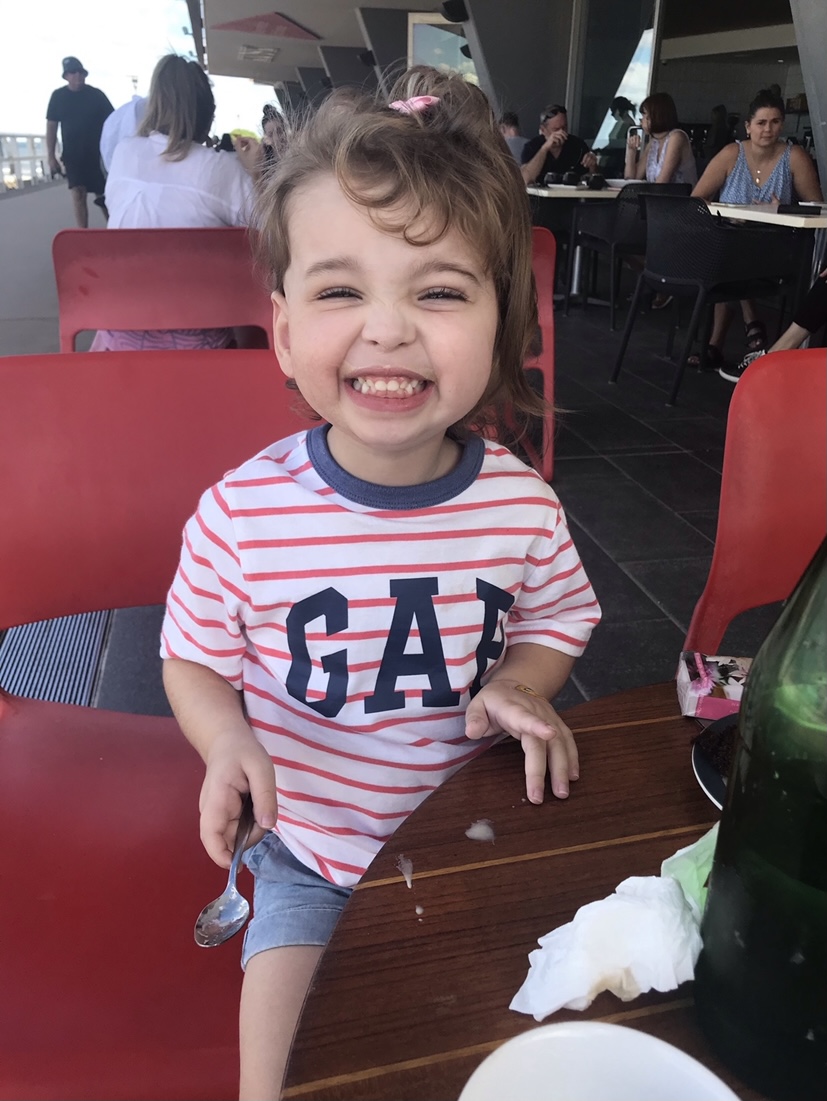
(714, 358)
(756, 334)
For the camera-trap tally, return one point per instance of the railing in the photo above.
(23, 160)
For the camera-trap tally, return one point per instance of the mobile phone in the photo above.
(633, 130)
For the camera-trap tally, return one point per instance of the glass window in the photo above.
(432, 40)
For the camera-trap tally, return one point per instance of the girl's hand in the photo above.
(237, 763)
(633, 141)
(503, 707)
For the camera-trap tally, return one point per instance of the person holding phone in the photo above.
(669, 157)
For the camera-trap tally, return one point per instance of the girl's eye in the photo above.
(337, 292)
(444, 293)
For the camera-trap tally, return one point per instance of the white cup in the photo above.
(592, 1061)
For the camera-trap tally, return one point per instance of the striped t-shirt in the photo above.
(359, 620)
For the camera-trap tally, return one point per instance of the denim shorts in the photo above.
(291, 903)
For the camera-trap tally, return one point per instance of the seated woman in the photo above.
(669, 157)
(762, 169)
(165, 177)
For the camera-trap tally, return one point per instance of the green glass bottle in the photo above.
(761, 978)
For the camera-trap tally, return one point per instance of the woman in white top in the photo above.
(166, 177)
(669, 157)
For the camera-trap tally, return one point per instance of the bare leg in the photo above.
(793, 338)
(275, 984)
(722, 315)
(748, 310)
(81, 210)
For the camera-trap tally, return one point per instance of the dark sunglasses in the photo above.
(552, 113)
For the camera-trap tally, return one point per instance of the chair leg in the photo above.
(673, 327)
(627, 331)
(706, 333)
(614, 288)
(574, 231)
(697, 310)
(570, 270)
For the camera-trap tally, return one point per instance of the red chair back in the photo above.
(773, 510)
(103, 458)
(543, 260)
(197, 278)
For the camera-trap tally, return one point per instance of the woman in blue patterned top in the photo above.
(762, 169)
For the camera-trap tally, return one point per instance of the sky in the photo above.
(634, 86)
(118, 41)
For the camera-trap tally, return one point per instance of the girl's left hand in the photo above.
(503, 708)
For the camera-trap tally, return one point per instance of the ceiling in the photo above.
(233, 52)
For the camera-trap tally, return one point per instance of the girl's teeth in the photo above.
(402, 386)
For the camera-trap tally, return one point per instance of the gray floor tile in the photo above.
(608, 429)
(621, 598)
(630, 525)
(673, 585)
(567, 445)
(706, 521)
(621, 656)
(679, 480)
(570, 472)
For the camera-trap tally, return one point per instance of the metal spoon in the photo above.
(223, 918)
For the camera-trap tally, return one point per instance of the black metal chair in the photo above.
(692, 253)
(616, 230)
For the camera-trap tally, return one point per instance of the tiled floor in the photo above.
(640, 483)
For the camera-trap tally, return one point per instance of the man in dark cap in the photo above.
(80, 110)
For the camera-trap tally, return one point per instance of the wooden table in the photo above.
(405, 1005)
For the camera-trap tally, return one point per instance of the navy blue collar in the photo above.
(396, 498)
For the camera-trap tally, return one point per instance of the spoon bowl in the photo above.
(225, 916)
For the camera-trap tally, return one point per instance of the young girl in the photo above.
(367, 604)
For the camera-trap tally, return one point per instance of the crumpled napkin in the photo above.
(645, 936)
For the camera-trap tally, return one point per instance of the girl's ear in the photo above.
(281, 332)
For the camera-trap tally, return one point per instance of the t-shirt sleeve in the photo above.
(53, 110)
(556, 606)
(531, 148)
(202, 623)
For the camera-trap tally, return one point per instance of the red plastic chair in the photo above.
(544, 255)
(773, 510)
(102, 872)
(158, 279)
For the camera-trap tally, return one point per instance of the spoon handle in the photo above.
(246, 820)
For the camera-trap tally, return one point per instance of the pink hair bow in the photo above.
(414, 105)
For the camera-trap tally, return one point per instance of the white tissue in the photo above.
(643, 937)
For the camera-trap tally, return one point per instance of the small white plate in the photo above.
(620, 183)
(592, 1061)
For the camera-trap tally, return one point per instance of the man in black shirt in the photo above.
(555, 149)
(80, 110)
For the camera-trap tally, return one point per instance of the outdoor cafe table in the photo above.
(558, 216)
(413, 989)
